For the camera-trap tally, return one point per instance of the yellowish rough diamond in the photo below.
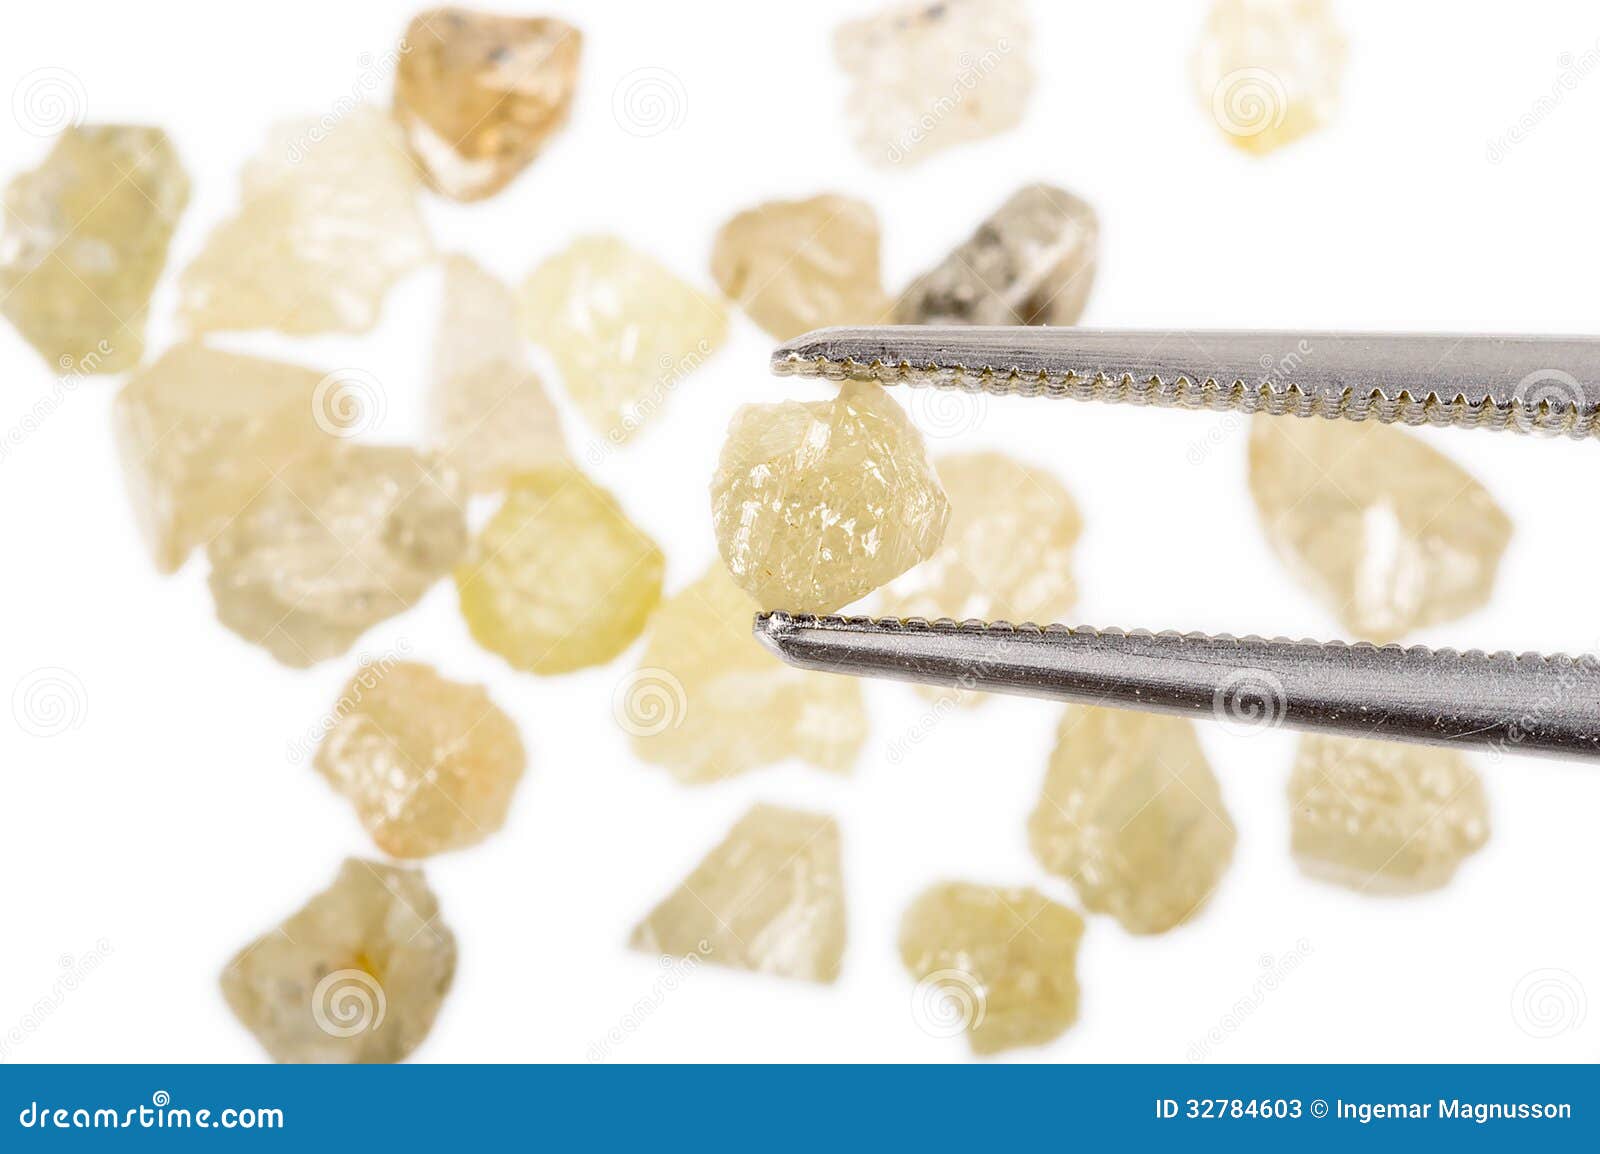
(708, 701)
(1268, 71)
(1132, 816)
(928, 75)
(559, 578)
(488, 413)
(1389, 534)
(624, 331)
(327, 223)
(334, 545)
(357, 975)
(798, 265)
(84, 241)
(770, 897)
(429, 764)
(818, 503)
(479, 94)
(999, 964)
(1384, 818)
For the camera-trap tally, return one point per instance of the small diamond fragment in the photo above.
(798, 265)
(357, 975)
(1030, 263)
(708, 701)
(1384, 818)
(559, 578)
(1132, 816)
(770, 897)
(84, 242)
(478, 95)
(817, 503)
(624, 330)
(429, 764)
(1389, 534)
(332, 546)
(999, 964)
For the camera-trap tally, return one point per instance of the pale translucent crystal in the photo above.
(429, 764)
(1031, 262)
(818, 503)
(1132, 816)
(798, 265)
(334, 545)
(478, 95)
(327, 222)
(999, 964)
(770, 897)
(708, 701)
(84, 241)
(1384, 818)
(201, 432)
(559, 578)
(1268, 71)
(488, 413)
(1389, 534)
(925, 76)
(357, 975)
(624, 331)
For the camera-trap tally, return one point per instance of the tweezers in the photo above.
(1515, 703)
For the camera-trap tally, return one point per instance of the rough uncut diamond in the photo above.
(1132, 815)
(334, 545)
(1031, 262)
(624, 330)
(1389, 535)
(478, 95)
(1384, 818)
(1268, 71)
(926, 76)
(817, 503)
(708, 701)
(1000, 964)
(559, 578)
(200, 432)
(429, 764)
(798, 265)
(84, 242)
(770, 897)
(488, 413)
(357, 975)
(328, 221)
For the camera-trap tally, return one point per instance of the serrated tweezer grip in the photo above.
(1513, 703)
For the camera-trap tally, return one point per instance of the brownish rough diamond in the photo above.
(999, 964)
(84, 242)
(357, 975)
(429, 764)
(478, 95)
(770, 897)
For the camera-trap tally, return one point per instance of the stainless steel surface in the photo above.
(1526, 383)
(1514, 703)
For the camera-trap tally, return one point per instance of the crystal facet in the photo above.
(84, 242)
(770, 897)
(1030, 263)
(999, 964)
(478, 95)
(429, 764)
(1389, 534)
(559, 578)
(1132, 815)
(1384, 818)
(798, 265)
(357, 975)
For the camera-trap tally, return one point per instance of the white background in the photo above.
(172, 825)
